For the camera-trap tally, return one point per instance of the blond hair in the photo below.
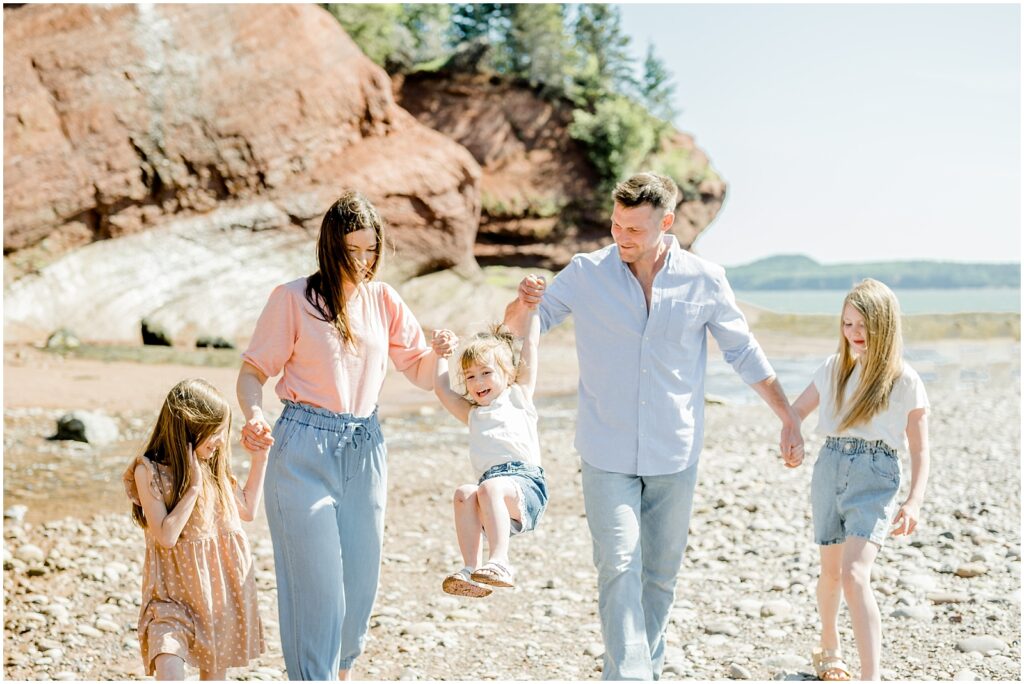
(496, 348)
(192, 411)
(882, 362)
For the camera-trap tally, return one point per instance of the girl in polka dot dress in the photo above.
(198, 586)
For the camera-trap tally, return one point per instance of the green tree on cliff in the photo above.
(656, 88)
(537, 45)
(603, 61)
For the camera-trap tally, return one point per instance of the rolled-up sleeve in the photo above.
(556, 305)
(730, 330)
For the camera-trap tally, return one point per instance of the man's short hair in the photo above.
(647, 188)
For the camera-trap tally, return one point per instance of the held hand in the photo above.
(791, 445)
(256, 437)
(444, 342)
(906, 519)
(531, 290)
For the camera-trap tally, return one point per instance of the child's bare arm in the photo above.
(806, 402)
(917, 437)
(450, 399)
(527, 374)
(247, 498)
(166, 526)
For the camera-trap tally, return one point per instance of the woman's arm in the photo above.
(527, 375)
(917, 437)
(249, 389)
(247, 498)
(167, 526)
(421, 373)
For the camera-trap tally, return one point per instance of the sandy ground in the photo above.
(745, 601)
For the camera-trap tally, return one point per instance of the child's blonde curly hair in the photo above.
(496, 347)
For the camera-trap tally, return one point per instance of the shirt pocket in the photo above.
(685, 319)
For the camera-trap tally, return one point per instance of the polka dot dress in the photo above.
(199, 596)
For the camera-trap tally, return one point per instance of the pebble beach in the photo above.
(949, 594)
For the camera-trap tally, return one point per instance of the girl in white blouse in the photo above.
(871, 406)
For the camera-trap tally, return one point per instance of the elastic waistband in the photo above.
(857, 445)
(325, 419)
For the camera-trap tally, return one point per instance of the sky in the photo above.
(850, 132)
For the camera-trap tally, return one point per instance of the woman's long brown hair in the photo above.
(192, 411)
(324, 291)
(881, 363)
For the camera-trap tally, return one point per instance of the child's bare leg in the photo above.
(213, 675)
(829, 594)
(498, 500)
(858, 557)
(468, 524)
(345, 675)
(170, 668)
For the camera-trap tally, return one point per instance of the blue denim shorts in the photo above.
(533, 491)
(853, 490)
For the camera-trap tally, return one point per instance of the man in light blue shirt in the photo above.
(642, 309)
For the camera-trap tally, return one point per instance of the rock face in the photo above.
(119, 119)
(537, 188)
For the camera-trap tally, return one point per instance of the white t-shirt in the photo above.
(889, 425)
(504, 430)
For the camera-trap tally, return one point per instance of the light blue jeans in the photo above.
(639, 526)
(325, 492)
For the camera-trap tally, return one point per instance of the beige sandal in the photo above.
(829, 665)
(495, 573)
(460, 584)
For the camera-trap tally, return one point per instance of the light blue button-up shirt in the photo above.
(641, 387)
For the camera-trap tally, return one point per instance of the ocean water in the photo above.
(964, 366)
(978, 300)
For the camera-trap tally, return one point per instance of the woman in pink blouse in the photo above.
(330, 336)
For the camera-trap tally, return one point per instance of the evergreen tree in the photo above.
(536, 44)
(656, 87)
(601, 46)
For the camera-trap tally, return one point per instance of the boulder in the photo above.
(87, 426)
(225, 123)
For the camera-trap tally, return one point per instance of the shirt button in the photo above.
(644, 403)
(643, 370)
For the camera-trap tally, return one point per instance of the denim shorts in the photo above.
(853, 490)
(533, 491)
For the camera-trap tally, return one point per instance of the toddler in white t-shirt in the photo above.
(871, 407)
(510, 494)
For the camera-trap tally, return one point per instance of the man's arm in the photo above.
(528, 296)
(791, 442)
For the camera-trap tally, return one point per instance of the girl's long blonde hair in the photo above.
(881, 363)
(192, 411)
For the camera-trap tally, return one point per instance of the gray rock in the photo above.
(965, 676)
(981, 644)
(63, 339)
(943, 597)
(30, 553)
(921, 612)
(917, 581)
(87, 426)
(971, 570)
(594, 650)
(776, 607)
(65, 676)
(739, 672)
(722, 627)
(89, 631)
(785, 661)
(408, 675)
(16, 513)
